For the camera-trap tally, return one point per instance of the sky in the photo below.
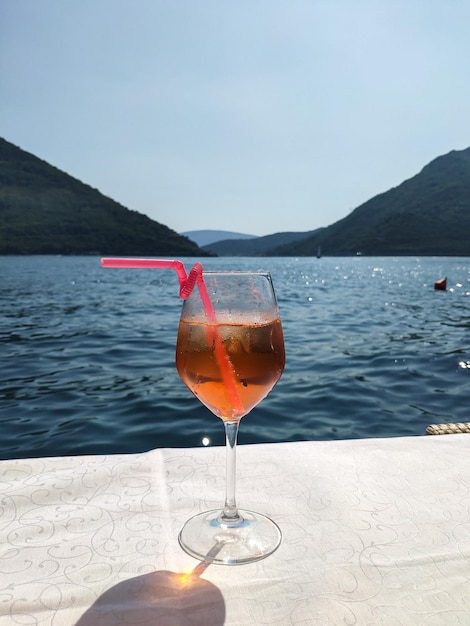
(254, 116)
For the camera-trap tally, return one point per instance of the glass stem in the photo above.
(230, 512)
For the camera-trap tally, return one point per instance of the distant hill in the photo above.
(206, 237)
(427, 215)
(259, 246)
(45, 211)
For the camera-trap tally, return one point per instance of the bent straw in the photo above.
(158, 264)
(187, 284)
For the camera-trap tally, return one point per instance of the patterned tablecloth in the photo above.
(374, 532)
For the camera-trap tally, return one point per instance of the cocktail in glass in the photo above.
(230, 357)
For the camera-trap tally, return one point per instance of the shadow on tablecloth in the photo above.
(160, 598)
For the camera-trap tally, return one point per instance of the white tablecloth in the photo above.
(374, 532)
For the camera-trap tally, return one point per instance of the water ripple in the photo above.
(88, 354)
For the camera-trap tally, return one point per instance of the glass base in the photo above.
(249, 538)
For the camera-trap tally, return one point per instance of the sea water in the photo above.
(87, 361)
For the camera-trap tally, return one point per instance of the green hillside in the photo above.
(428, 214)
(45, 211)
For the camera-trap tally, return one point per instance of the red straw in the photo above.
(187, 283)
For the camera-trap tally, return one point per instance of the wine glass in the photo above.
(230, 355)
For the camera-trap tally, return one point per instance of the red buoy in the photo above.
(441, 284)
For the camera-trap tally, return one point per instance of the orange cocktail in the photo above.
(230, 353)
(254, 350)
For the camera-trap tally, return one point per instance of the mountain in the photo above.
(206, 237)
(427, 215)
(259, 246)
(45, 211)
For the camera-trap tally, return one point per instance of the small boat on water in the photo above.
(441, 284)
